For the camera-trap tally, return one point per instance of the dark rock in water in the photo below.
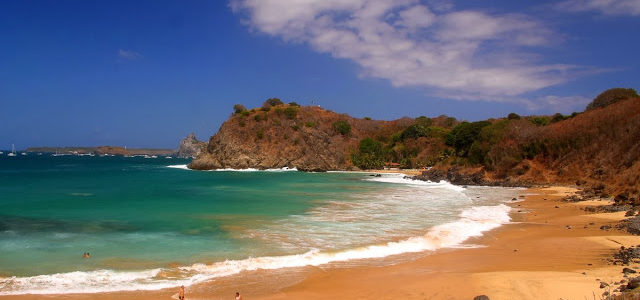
(514, 199)
(603, 285)
(481, 297)
(605, 227)
(628, 270)
(190, 146)
(378, 175)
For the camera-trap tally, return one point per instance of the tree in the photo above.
(611, 96)
(342, 127)
(239, 108)
(513, 116)
(272, 102)
(463, 136)
(369, 155)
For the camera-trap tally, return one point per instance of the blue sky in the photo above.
(147, 73)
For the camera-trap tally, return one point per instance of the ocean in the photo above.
(150, 223)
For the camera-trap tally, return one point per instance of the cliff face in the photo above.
(287, 136)
(190, 146)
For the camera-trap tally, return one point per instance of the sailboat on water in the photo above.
(13, 150)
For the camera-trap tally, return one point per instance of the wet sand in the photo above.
(547, 253)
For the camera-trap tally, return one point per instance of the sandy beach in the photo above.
(552, 250)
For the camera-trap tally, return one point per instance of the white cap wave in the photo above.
(472, 222)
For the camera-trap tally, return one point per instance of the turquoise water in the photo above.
(141, 220)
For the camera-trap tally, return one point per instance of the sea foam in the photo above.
(401, 179)
(472, 222)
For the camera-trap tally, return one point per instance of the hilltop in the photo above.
(598, 148)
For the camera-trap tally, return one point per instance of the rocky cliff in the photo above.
(190, 146)
(284, 135)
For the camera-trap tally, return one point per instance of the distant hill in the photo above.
(111, 150)
(599, 147)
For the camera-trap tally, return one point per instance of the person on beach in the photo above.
(238, 297)
(181, 293)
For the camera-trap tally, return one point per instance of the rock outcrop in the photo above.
(292, 136)
(190, 146)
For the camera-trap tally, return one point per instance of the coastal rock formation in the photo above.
(288, 135)
(190, 146)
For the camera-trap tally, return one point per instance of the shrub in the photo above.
(367, 118)
(239, 108)
(557, 118)
(272, 102)
(295, 127)
(513, 116)
(260, 134)
(462, 136)
(342, 127)
(245, 113)
(369, 155)
(294, 104)
(291, 112)
(539, 121)
(265, 108)
(450, 122)
(257, 117)
(424, 121)
(611, 96)
(417, 130)
(311, 124)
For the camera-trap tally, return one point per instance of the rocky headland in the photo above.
(190, 146)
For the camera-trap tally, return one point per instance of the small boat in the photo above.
(24, 153)
(13, 150)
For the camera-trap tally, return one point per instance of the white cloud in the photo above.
(405, 42)
(606, 7)
(128, 55)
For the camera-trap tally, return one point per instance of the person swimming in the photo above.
(86, 255)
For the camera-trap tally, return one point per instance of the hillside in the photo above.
(288, 135)
(598, 148)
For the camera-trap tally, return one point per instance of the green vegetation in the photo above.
(342, 127)
(311, 124)
(611, 96)
(462, 136)
(369, 155)
(539, 121)
(367, 118)
(291, 112)
(513, 116)
(239, 108)
(260, 134)
(294, 104)
(272, 102)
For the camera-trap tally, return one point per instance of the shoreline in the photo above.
(535, 257)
